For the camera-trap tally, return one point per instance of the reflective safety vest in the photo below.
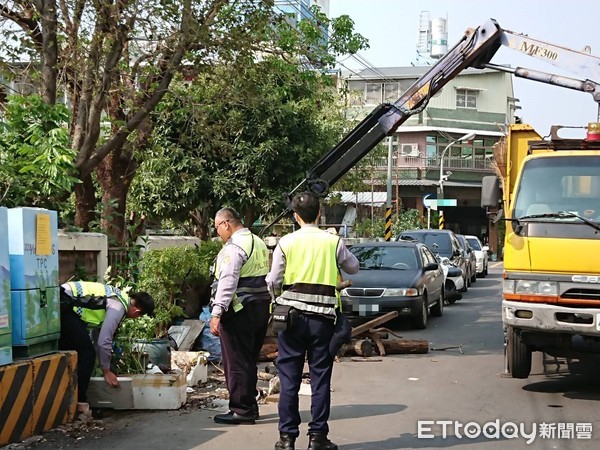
(82, 290)
(311, 271)
(251, 284)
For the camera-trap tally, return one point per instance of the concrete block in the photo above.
(144, 391)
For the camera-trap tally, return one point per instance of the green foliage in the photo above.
(164, 273)
(241, 139)
(406, 220)
(127, 359)
(36, 159)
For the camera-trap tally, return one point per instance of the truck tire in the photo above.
(518, 355)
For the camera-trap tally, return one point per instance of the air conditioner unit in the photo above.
(409, 149)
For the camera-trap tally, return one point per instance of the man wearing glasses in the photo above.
(239, 312)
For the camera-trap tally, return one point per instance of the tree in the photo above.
(115, 61)
(243, 139)
(35, 156)
(246, 133)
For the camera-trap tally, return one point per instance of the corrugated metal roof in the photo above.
(404, 72)
(465, 184)
(361, 198)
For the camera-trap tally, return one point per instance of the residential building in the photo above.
(476, 101)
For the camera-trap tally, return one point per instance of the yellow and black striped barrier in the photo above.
(36, 395)
(442, 221)
(388, 224)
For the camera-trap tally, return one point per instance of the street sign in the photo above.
(435, 203)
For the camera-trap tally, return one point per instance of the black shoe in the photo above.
(256, 413)
(319, 441)
(286, 442)
(232, 418)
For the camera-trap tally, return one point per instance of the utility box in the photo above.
(35, 303)
(5, 317)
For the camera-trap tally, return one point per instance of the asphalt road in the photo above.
(404, 401)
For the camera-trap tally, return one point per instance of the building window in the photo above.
(390, 92)
(376, 93)
(466, 98)
(373, 93)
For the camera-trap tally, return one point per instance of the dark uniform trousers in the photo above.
(242, 337)
(74, 335)
(310, 337)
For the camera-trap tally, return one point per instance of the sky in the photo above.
(391, 26)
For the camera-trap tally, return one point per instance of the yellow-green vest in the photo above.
(311, 271)
(94, 317)
(251, 284)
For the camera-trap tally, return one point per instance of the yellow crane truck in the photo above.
(551, 279)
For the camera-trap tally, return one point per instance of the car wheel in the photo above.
(438, 309)
(518, 355)
(420, 321)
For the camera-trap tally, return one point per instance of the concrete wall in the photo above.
(82, 251)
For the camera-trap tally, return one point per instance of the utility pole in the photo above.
(466, 137)
(388, 209)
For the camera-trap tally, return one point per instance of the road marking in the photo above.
(497, 264)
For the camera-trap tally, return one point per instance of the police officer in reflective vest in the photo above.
(239, 312)
(304, 275)
(93, 312)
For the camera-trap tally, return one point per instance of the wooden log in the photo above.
(400, 346)
(267, 351)
(360, 347)
(377, 339)
(364, 327)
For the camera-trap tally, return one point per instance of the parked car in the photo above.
(481, 254)
(469, 255)
(441, 242)
(453, 280)
(395, 276)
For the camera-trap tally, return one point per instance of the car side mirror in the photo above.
(456, 253)
(485, 248)
(431, 266)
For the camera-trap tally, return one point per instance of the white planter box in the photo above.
(150, 391)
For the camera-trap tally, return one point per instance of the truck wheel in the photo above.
(438, 309)
(518, 355)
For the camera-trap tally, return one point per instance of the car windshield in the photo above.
(385, 257)
(436, 242)
(474, 243)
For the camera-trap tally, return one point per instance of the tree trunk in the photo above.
(115, 173)
(400, 346)
(85, 203)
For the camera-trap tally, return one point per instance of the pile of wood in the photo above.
(367, 340)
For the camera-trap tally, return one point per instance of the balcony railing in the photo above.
(450, 162)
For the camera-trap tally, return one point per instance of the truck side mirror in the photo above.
(491, 194)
